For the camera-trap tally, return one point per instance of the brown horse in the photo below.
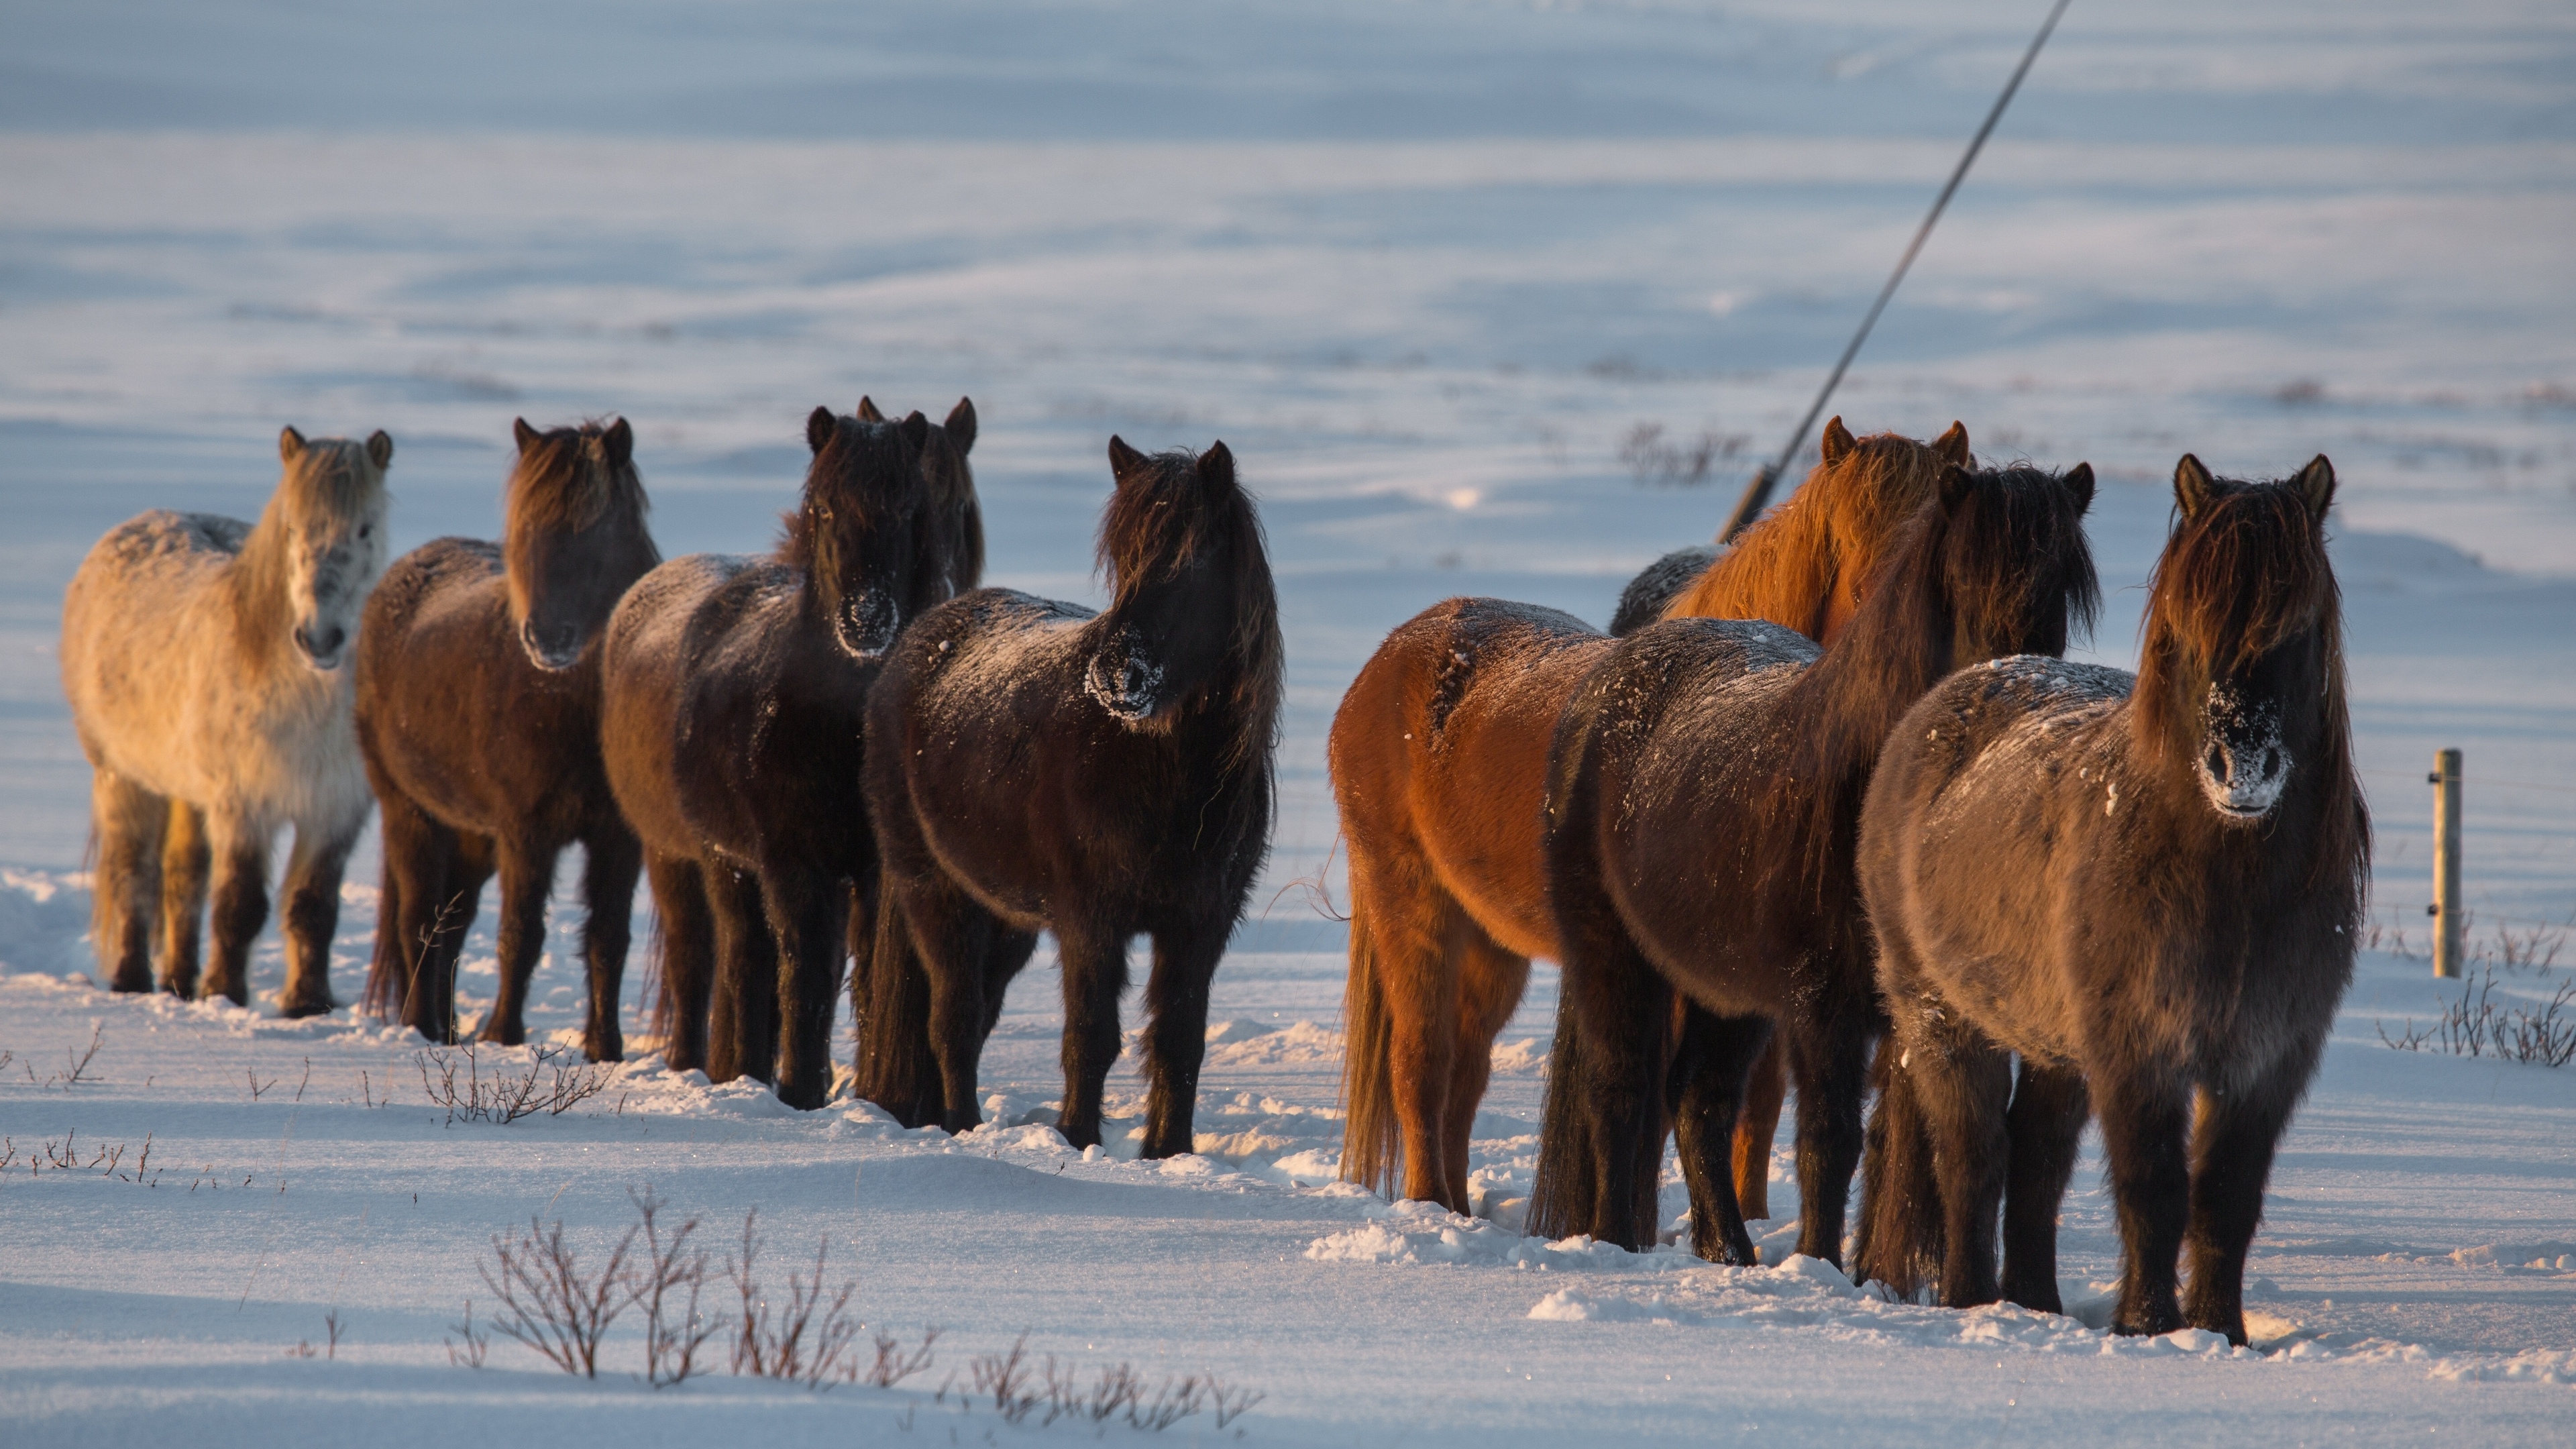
(1439, 756)
(1703, 793)
(478, 715)
(735, 691)
(2147, 888)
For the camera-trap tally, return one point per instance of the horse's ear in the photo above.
(1953, 445)
(1839, 441)
(2079, 479)
(1216, 466)
(380, 448)
(290, 444)
(867, 412)
(1124, 462)
(818, 428)
(961, 426)
(526, 436)
(2316, 484)
(617, 445)
(1956, 484)
(915, 429)
(2193, 487)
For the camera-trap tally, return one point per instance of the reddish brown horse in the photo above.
(1703, 792)
(1439, 760)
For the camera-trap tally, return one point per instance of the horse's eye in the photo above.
(366, 531)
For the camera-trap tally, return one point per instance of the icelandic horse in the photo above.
(1438, 757)
(203, 658)
(2146, 888)
(736, 691)
(478, 713)
(1703, 795)
(1032, 765)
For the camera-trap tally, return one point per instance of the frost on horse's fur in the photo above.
(205, 663)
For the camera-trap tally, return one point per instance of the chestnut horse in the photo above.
(1703, 793)
(478, 715)
(1439, 755)
(736, 691)
(2146, 887)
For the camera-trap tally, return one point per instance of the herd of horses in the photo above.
(1828, 808)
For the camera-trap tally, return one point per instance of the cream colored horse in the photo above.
(207, 665)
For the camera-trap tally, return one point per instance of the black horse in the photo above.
(734, 692)
(1034, 766)
(2147, 888)
(1703, 796)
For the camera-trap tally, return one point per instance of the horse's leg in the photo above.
(312, 915)
(185, 865)
(2232, 1147)
(742, 1012)
(1418, 935)
(129, 821)
(1755, 1127)
(1708, 1092)
(1831, 1060)
(1176, 997)
(1490, 983)
(949, 936)
(808, 914)
(2046, 1121)
(611, 859)
(1622, 1008)
(470, 863)
(527, 880)
(688, 940)
(240, 905)
(1094, 962)
(2144, 1116)
(1962, 1083)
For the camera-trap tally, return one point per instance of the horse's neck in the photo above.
(1765, 576)
(1866, 680)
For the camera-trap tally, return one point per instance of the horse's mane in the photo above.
(2202, 618)
(2006, 523)
(570, 478)
(1839, 523)
(1137, 544)
(333, 479)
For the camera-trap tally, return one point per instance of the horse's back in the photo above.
(1440, 747)
(146, 635)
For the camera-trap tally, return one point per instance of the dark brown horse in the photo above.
(1703, 795)
(735, 698)
(478, 715)
(1439, 761)
(2146, 888)
(1033, 766)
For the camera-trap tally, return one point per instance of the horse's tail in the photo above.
(386, 970)
(1371, 1136)
(893, 1063)
(1563, 1194)
(1900, 1232)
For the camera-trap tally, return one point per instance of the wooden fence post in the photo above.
(2448, 914)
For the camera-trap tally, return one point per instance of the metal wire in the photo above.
(1757, 494)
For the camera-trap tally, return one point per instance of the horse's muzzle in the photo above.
(2244, 765)
(322, 651)
(550, 650)
(1126, 684)
(866, 623)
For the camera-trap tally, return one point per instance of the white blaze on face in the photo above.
(2243, 764)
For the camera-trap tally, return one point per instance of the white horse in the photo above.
(206, 663)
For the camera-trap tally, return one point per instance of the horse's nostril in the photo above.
(332, 641)
(2217, 762)
(2271, 763)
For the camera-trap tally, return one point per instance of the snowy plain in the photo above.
(1425, 268)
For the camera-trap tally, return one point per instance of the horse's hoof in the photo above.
(294, 1008)
(613, 1049)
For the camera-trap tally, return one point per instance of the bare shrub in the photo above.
(554, 1082)
(667, 1281)
(76, 1068)
(2534, 948)
(549, 1303)
(1008, 1379)
(478, 1343)
(893, 1365)
(333, 1327)
(809, 1338)
(1657, 463)
(2474, 1026)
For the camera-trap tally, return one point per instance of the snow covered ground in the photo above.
(1425, 268)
